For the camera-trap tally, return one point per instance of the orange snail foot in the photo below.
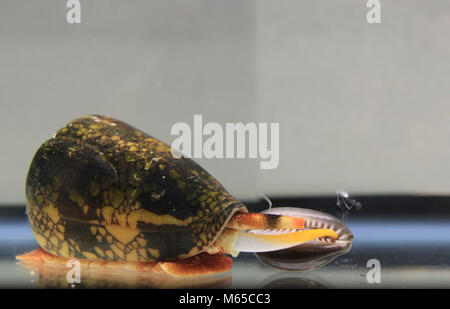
(202, 264)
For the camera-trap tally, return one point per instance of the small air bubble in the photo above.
(344, 200)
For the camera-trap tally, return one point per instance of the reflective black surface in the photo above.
(413, 251)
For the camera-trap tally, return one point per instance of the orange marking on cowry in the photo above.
(259, 221)
(297, 237)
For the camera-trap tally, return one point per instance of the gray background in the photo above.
(361, 107)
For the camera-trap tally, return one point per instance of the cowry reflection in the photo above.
(286, 280)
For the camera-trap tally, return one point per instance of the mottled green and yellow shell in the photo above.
(101, 189)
